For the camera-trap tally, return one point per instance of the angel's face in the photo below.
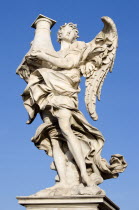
(67, 34)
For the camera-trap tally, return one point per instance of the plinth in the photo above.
(98, 202)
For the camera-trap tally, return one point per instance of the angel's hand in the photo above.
(38, 55)
(89, 69)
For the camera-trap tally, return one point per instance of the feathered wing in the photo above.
(98, 60)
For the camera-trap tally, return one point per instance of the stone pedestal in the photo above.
(98, 202)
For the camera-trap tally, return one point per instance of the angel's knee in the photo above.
(65, 126)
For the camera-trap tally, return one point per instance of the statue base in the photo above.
(97, 202)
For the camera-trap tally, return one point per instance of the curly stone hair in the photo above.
(73, 26)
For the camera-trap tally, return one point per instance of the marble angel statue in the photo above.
(52, 91)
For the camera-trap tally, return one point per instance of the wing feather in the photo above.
(98, 63)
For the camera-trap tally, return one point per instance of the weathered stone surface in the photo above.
(68, 203)
(52, 92)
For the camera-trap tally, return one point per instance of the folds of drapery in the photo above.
(91, 141)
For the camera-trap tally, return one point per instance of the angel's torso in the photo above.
(75, 49)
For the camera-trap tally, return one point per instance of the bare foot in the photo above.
(87, 181)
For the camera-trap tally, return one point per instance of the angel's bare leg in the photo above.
(58, 155)
(60, 161)
(64, 116)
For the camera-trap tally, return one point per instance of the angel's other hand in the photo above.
(89, 69)
(39, 55)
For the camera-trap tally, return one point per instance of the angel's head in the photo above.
(68, 32)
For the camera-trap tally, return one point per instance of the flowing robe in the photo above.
(51, 89)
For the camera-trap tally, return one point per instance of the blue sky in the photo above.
(24, 169)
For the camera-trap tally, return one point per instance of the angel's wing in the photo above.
(98, 61)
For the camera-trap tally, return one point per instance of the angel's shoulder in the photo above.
(79, 45)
